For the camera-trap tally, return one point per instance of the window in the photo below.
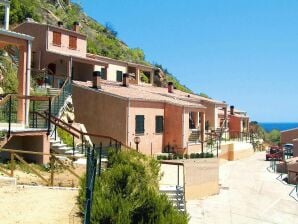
(119, 76)
(103, 73)
(140, 124)
(159, 124)
(72, 42)
(56, 38)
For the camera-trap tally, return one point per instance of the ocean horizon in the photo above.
(281, 126)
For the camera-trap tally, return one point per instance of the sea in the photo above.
(281, 126)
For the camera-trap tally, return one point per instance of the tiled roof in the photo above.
(141, 93)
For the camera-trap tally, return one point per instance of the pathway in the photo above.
(249, 194)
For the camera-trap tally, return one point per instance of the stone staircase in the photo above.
(176, 195)
(57, 146)
(194, 137)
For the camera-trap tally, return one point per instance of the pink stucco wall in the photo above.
(81, 43)
(149, 139)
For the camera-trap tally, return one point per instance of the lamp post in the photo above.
(137, 141)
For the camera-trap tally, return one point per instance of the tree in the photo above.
(127, 192)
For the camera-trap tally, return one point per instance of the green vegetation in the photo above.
(185, 156)
(7, 67)
(171, 78)
(102, 39)
(127, 192)
(65, 137)
(272, 137)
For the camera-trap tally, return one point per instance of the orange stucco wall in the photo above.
(174, 126)
(150, 139)
(234, 126)
(101, 113)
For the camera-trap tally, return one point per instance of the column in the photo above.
(202, 119)
(225, 117)
(6, 22)
(137, 76)
(21, 84)
(28, 82)
(151, 77)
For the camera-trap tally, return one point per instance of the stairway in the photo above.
(194, 137)
(176, 196)
(57, 146)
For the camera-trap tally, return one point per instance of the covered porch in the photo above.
(24, 45)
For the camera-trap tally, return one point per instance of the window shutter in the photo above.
(119, 76)
(56, 38)
(72, 42)
(159, 124)
(104, 73)
(140, 124)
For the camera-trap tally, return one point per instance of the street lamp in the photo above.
(137, 141)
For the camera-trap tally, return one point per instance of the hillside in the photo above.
(102, 39)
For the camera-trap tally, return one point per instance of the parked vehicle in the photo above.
(288, 149)
(274, 153)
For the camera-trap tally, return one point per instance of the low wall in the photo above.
(36, 142)
(193, 148)
(199, 176)
(236, 150)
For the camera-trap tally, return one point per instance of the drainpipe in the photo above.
(6, 22)
(183, 127)
(127, 123)
(28, 77)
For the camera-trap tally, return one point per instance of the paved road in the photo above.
(249, 194)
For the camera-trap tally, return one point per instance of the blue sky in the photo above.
(242, 51)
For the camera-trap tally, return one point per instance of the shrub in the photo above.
(65, 137)
(127, 192)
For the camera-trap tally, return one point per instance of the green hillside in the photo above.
(102, 39)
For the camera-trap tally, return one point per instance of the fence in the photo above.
(46, 175)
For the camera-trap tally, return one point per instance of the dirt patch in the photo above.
(62, 177)
(42, 205)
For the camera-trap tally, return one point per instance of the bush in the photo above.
(65, 137)
(127, 192)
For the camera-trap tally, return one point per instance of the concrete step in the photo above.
(7, 181)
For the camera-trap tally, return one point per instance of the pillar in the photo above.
(6, 19)
(21, 84)
(28, 82)
(137, 76)
(226, 117)
(202, 119)
(152, 77)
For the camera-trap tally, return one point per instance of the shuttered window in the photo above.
(56, 38)
(119, 76)
(140, 129)
(73, 42)
(159, 124)
(104, 73)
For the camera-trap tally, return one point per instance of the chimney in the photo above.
(6, 17)
(96, 79)
(126, 80)
(60, 23)
(232, 110)
(170, 87)
(76, 26)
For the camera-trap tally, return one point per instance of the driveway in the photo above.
(249, 194)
